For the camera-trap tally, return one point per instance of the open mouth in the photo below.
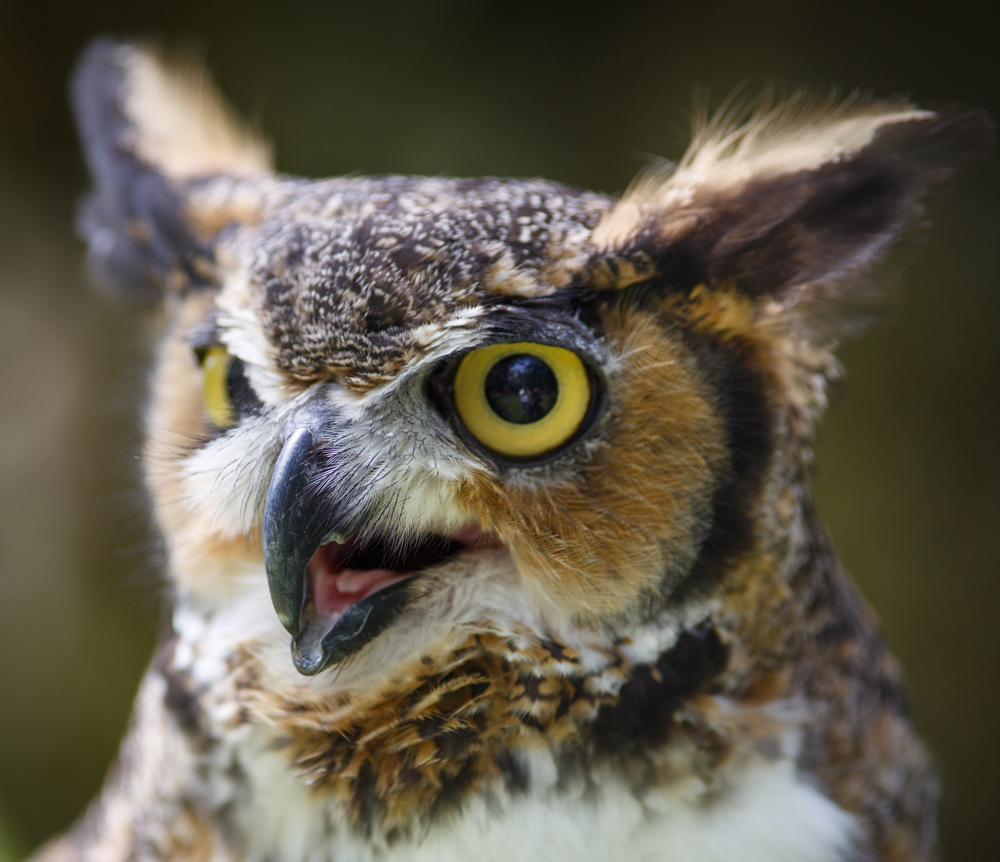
(355, 589)
(335, 586)
(343, 574)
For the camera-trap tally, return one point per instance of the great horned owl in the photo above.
(520, 475)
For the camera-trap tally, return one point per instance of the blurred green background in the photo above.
(909, 463)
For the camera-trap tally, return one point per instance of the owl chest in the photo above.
(766, 813)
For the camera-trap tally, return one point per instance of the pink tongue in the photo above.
(335, 593)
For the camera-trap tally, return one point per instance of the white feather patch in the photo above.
(767, 814)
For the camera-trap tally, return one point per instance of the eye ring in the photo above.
(561, 416)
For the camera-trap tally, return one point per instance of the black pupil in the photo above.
(521, 388)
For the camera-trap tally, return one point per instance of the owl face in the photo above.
(391, 412)
(397, 411)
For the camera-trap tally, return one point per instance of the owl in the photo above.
(486, 502)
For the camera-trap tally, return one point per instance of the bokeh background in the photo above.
(908, 459)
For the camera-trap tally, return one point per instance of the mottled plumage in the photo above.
(635, 644)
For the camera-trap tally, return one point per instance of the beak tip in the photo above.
(291, 623)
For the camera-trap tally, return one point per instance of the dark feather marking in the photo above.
(365, 796)
(514, 772)
(646, 703)
(748, 416)
(454, 791)
(836, 615)
(818, 224)
(455, 744)
(736, 375)
(134, 220)
(180, 699)
(182, 703)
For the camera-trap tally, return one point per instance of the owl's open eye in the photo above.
(226, 390)
(522, 400)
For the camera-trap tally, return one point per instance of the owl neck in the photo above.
(497, 715)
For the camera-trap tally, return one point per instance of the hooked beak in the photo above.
(334, 586)
(296, 524)
(291, 535)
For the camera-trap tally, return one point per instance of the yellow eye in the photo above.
(523, 399)
(215, 384)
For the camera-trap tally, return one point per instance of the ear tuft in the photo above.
(182, 124)
(772, 199)
(149, 126)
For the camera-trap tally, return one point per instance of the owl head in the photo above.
(395, 412)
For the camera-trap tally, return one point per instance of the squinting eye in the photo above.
(522, 400)
(216, 366)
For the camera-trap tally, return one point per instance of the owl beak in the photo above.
(291, 534)
(334, 584)
(298, 519)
